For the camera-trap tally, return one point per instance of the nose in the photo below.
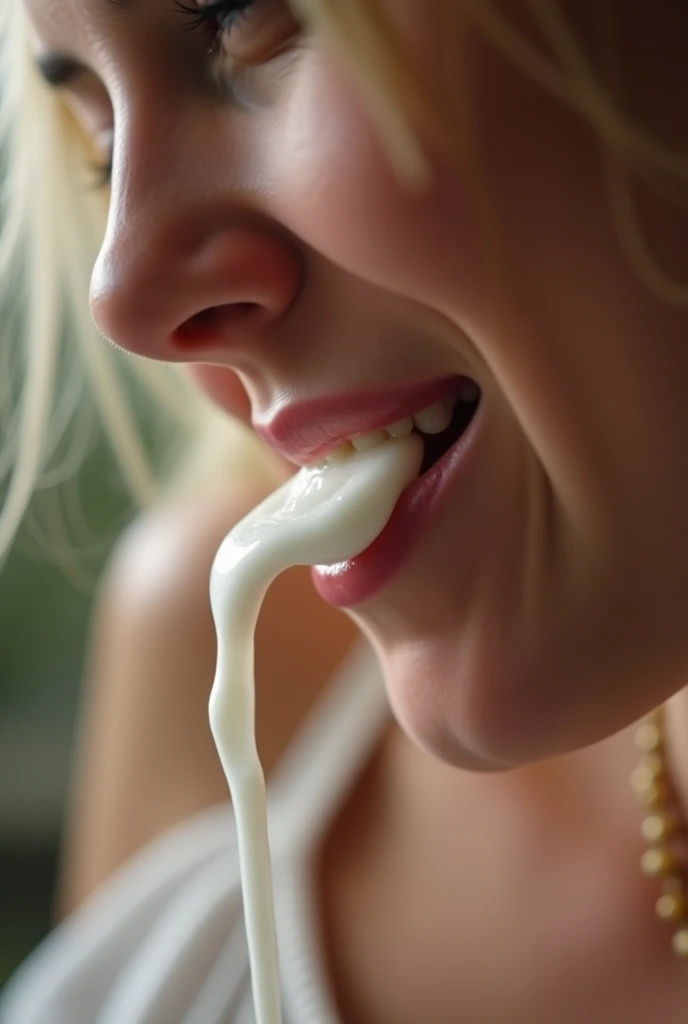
(182, 280)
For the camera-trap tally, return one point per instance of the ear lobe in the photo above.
(222, 386)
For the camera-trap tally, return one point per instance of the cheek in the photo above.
(338, 191)
(222, 386)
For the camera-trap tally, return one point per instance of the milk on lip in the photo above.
(322, 515)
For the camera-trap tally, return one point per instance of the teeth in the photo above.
(365, 442)
(432, 420)
(341, 454)
(401, 428)
(435, 418)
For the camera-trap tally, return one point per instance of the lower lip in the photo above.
(351, 582)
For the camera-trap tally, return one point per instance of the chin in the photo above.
(480, 708)
(445, 705)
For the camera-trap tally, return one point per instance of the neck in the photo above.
(594, 778)
(556, 844)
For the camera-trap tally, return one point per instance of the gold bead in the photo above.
(679, 942)
(648, 793)
(653, 764)
(656, 863)
(671, 907)
(657, 828)
(644, 776)
(648, 737)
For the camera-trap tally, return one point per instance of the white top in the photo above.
(163, 942)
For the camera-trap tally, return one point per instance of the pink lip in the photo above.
(349, 583)
(307, 431)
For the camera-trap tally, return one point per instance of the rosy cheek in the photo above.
(337, 190)
(221, 385)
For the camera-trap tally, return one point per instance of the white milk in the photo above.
(322, 515)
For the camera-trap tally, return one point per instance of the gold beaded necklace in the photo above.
(663, 828)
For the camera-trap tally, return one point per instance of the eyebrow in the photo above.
(57, 69)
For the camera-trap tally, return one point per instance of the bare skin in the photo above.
(445, 895)
(146, 759)
(521, 904)
(545, 611)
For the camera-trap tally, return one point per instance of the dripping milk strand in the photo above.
(323, 515)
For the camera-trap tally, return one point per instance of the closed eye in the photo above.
(247, 31)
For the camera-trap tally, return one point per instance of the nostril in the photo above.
(205, 325)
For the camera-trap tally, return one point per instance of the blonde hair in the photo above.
(42, 298)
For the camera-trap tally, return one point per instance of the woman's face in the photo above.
(259, 233)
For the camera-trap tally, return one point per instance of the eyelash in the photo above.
(215, 18)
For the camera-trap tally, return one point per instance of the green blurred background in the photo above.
(47, 586)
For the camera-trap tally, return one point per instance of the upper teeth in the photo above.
(436, 417)
(367, 441)
(432, 420)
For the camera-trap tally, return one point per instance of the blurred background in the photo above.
(47, 586)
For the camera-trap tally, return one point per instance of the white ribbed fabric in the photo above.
(163, 941)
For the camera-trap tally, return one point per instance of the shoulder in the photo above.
(145, 758)
(154, 631)
(160, 568)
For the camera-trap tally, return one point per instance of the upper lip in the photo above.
(307, 431)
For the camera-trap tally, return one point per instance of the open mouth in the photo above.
(439, 426)
(437, 445)
(448, 430)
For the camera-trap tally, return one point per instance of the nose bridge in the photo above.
(183, 235)
(153, 153)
